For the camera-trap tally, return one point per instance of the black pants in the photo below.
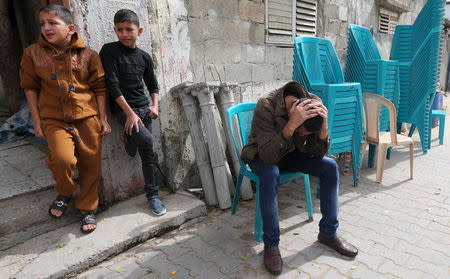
(142, 142)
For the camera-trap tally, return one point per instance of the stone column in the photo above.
(216, 151)
(225, 101)
(202, 159)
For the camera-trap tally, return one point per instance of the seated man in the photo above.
(289, 132)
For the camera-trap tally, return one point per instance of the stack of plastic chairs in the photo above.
(418, 47)
(317, 68)
(364, 65)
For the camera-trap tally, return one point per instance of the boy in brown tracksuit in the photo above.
(65, 88)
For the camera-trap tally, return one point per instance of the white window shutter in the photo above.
(306, 17)
(286, 19)
(388, 20)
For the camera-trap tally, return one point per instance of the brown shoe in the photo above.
(272, 260)
(339, 245)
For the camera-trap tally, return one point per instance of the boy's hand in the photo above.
(106, 129)
(132, 121)
(38, 132)
(153, 112)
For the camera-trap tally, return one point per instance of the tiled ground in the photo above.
(401, 227)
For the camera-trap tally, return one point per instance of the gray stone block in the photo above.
(256, 33)
(238, 72)
(275, 55)
(255, 53)
(283, 72)
(223, 9)
(251, 11)
(262, 73)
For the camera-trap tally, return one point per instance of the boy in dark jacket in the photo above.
(127, 67)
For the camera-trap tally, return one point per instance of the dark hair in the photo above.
(295, 89)
(314, 124)
(60, 11)
(124, 15)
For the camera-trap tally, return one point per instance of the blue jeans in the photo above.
(142, 142)
(323, 167)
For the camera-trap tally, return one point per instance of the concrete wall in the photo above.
(227, 39)
(207, 40)
(334, 17)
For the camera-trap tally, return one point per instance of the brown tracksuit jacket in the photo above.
(266, 138)
(46, 69)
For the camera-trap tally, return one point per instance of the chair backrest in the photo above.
(319, 59)
(372, 107)
(364, 42)
(244, 115)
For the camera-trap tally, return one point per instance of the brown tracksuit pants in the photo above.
(77, 144)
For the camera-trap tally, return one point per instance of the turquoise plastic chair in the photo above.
(439, 114)
(244, 115)
(378, 76)
(364, 65)
(418, 47)
(317, 68)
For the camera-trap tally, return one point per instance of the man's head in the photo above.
(126, 26)
(295, 94)
(311, 125)
(57, 25)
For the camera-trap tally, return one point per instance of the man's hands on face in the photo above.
(299, 113)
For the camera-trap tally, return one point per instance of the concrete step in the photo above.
(65, 251)
(26, 216)
(22, 169)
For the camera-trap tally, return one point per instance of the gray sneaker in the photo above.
(157, 207)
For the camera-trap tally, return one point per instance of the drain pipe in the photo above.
(202, 159)
(226, 100)
(216, 152)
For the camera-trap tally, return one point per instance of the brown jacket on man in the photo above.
(266, 138)
(47, 70)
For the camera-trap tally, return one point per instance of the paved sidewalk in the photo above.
(401, 227)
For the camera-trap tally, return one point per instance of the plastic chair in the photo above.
(434, 113)
(317, 68)
(364, 65)
(244, 115)
(418, 48)
(384, 140)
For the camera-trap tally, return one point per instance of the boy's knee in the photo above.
(63, 161)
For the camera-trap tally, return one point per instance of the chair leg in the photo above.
(308, 197)
(372, 151)
(441, 129)
(381, 158)
(411, 130)
(411, 159)
(237, 193)
(257, 235)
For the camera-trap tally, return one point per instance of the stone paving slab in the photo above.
(66, 251)
(22, 169)
(401, 227)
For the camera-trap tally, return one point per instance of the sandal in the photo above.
(60, 204)
(88, 219)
